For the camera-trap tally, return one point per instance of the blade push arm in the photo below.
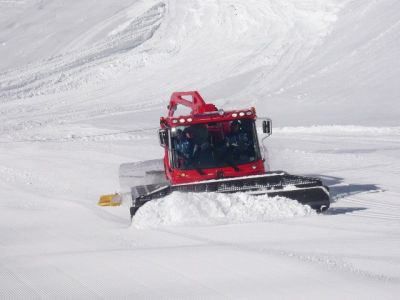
(197, 103)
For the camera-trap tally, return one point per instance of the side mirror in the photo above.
(163, 136)
(267, 126)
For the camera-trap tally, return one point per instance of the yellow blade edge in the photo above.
(110, 200)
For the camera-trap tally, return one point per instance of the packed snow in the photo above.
(82, 87)
(216, 209)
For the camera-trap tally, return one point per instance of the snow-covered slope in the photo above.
(352, 77)
(82, 87)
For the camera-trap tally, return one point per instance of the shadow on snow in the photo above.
(340, 189)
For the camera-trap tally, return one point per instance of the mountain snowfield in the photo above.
(82, 87)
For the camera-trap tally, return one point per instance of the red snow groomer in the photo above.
(212, 150)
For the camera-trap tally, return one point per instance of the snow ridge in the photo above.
(196, 209)
(70, 70)
(342, 130)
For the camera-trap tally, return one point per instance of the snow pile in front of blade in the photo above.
(216, 209)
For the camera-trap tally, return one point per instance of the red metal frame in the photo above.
(197, 104)
(202, 112)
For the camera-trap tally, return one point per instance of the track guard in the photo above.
(306, 190)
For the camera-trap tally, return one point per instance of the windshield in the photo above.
(212, 145)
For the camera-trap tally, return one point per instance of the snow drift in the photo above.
(216, 209)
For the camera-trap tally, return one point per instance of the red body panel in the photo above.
(187, 176)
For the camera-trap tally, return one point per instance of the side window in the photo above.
(163, 137)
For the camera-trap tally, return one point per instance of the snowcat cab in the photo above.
(209, 143)
(212, 150)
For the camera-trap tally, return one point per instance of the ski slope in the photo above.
(82, 87)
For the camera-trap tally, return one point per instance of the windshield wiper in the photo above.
(199, 170)
(231, 164)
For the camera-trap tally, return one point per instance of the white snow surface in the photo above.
(82, 86)
(216, 209)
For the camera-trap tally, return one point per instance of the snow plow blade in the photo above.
(306, 190)
(110, 200)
